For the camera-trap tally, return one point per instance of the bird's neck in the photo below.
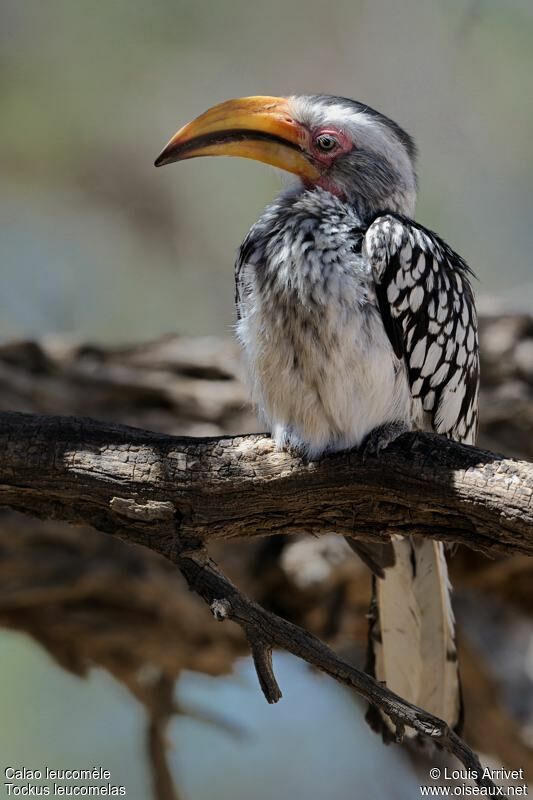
(365, 206)
(367, 199)
(400, 201)
(367, 203)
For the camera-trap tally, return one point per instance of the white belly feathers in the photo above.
(322, 368)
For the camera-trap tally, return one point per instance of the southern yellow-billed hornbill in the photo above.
(358, 324)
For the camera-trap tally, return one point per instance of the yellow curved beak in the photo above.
(260, 128)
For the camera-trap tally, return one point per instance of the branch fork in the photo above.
(176, 494)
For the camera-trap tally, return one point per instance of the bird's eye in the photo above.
(326, 142)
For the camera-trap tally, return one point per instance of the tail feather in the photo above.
(413, 634)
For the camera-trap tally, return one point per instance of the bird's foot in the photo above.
(296, 450)
(380, 438)
(287, 442)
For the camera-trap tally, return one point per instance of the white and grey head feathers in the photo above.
(379, 172)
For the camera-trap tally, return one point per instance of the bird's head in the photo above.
(338, 144)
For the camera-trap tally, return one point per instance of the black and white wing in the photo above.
(428, 310)
(427, 307)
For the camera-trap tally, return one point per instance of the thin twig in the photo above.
(174, 494)
(161, 711)
(266, 631)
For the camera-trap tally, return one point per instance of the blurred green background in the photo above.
(95, 242)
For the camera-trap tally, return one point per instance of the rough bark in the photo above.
(165, 492)
(59, 582)
(173, 495)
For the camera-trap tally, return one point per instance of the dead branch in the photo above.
(59, 583)
(183, 385)
(162, 703)
(169, 493)
(174, 495)
(266, 631)
(90, 599)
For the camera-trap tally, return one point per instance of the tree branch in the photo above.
(266, 631)
(148, 487)
(176, 494)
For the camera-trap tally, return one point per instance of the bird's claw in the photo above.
(296, 451)
(288, 444)
(380, 438)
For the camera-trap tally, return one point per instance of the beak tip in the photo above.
(166, 156)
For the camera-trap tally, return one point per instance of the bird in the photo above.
(358, 324)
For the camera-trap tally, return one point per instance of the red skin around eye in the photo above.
(345, 144)
(324, 160)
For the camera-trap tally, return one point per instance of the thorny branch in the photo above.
(176, 494)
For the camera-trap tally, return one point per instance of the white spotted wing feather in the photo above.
(428, 311)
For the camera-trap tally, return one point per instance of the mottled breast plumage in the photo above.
(323, 370)
(349, 326)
